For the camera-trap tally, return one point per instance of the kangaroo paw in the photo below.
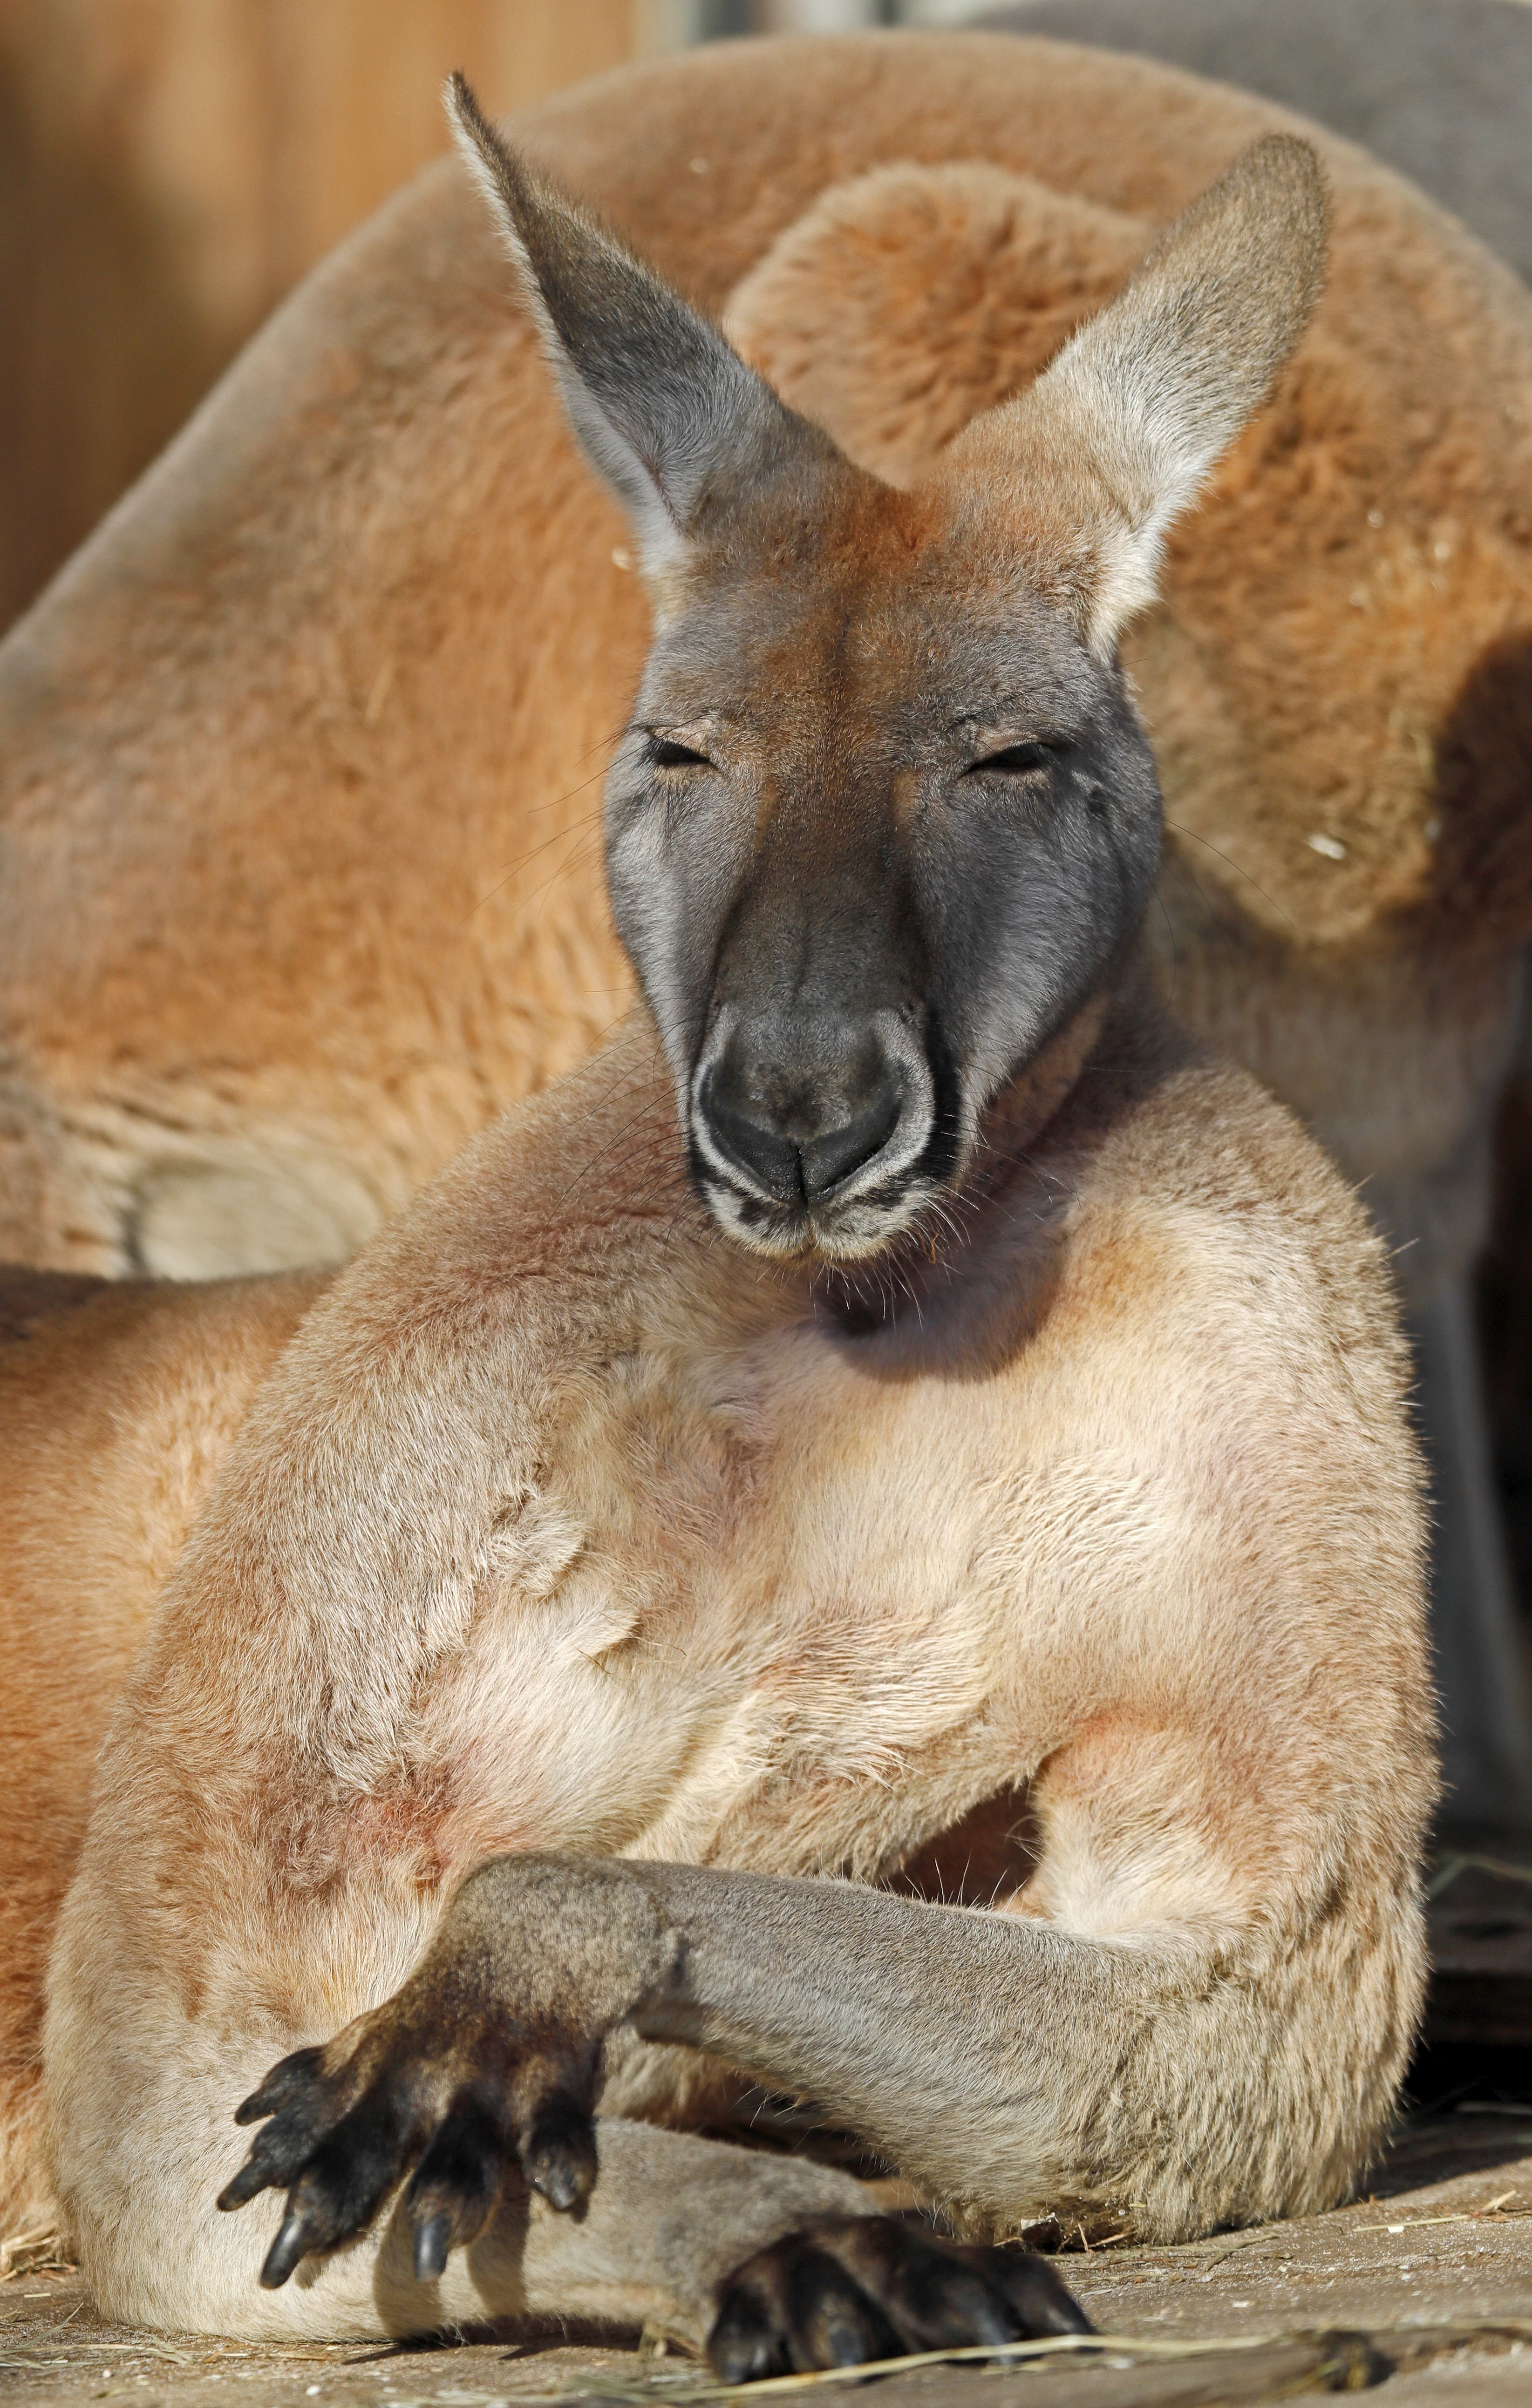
(844, 2291)
(486, 2065)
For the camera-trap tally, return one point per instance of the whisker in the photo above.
(582, 825)
(1232, 865)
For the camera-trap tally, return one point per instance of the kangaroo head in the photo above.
(885, 818)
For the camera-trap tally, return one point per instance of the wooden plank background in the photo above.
(169, 169)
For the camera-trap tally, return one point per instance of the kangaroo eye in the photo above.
(665, 753)
(1013, 760)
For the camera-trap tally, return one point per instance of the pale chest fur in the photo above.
(666, 1661)
(802, 1603)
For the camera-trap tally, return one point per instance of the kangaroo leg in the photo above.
(775, 2263)
(723, 2245)
(671, 2220)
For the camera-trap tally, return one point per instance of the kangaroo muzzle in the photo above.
(808, 1133)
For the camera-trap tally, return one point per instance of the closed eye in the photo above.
(1015, 760)
(666, 753)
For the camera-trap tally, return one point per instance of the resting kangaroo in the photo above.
(901, 1386)
(300, 759)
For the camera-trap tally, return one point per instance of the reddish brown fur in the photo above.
(355, 651)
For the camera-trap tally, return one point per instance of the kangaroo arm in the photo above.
(965, 2046)
(483, 2072)
(1001, 2063)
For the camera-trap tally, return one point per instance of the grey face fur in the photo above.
(879, 827)
(885, 818)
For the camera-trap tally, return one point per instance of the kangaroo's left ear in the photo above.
(1115, 437)
(668, 414)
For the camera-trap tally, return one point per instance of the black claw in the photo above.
(284, 2081)
(338, 2143)
(830, 2320)
(275, 2161)
(284, 2252)
(1035, 2293)
(260, 2172)
(559, 2155)
(852, 2290)
(935, 2294)
(458, 2180)
(433, 2240)
(745, 2345)
(338, 2192)
(559, 2182)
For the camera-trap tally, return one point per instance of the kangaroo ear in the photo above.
(1116, 436)
(666, 413)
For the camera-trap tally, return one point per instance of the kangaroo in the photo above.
(901, 1387)
(299, 759)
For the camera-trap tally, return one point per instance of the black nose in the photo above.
(797, 1167)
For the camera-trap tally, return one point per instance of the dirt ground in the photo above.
(1425, 2286)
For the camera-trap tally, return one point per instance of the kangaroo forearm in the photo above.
(944, 2035)
(1011, 2068)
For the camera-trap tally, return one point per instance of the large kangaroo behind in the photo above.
(300, 760)
(299, 753)
(899, 1374)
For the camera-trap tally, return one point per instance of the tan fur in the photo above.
(301, 755)
(117, 1406)
(563, 1527)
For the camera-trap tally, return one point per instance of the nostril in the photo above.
(832, 1157)
(778, 1153)
(765, 1152)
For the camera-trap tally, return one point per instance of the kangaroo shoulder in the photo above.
(1224, 1201)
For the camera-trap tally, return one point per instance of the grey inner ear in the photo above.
(663, 405)
(667, 413)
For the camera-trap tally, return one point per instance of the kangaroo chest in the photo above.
(754, 1607)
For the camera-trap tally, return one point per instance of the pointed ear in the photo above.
(666, 413)
(1115, 437)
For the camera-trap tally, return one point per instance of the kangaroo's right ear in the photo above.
(1116, 436)
(666, 412)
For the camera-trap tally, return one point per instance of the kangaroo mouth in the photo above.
(821, 1150)
(848, 1231)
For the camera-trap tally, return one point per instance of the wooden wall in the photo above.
(169, 167)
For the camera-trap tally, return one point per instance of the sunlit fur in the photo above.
(300, 762)
(566, 1524)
